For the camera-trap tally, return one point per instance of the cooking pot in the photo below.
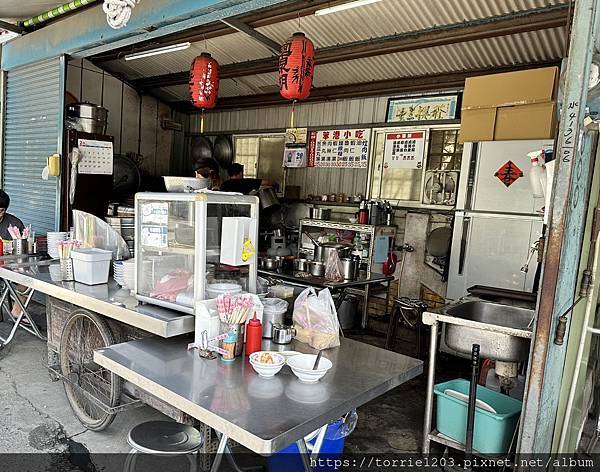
(87, 117)
(271, 263)
(267, 197)
(319, 213)
(301, 265)
(316, 268)
(349, 268)
(323, 250)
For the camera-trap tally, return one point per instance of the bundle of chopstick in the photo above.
(15, 232)
(65, 248)
(234, 309)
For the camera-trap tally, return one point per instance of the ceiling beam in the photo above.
(514, 23)
(451, 80)
(12, 27)
(264, 17)
(242, 27)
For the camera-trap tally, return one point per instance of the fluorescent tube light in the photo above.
(344, 6)
(154, 52)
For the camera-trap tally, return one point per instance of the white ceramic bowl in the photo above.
(267, 370)
(302, 365)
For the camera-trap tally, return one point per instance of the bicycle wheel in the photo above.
(89, 387)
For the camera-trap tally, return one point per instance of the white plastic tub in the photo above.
(91, 266)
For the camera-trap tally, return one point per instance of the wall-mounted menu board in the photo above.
(339, 148)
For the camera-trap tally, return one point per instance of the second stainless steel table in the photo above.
(264, 415)
(343, 286)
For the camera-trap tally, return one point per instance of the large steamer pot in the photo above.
(319, 213)
(323, 250)
(87, 117)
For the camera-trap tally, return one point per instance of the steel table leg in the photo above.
(301, 443)
(220, 451)
(318, 443)
(365, 314)
(33, 329)
(430, 382)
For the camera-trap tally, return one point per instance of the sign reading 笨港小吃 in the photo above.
(347, 148)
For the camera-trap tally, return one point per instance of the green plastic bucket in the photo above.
(492, 432)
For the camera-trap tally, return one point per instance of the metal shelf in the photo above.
(345, 226)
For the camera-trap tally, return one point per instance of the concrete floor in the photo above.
(38, 418)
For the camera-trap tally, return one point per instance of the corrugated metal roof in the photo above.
(380, 19)
(393, 17)
(535, 46)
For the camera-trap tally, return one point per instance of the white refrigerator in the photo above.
(497, 219)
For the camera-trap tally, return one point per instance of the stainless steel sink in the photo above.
(495, 342)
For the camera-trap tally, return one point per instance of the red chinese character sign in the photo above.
(339, 148)
(296, 67)
(509, 173)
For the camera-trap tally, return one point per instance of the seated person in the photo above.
(6, 219)
(209, 169)
(238, 183)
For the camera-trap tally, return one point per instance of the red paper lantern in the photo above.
(296, 67)
(204, 81)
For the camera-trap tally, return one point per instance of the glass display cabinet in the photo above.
(189, 246)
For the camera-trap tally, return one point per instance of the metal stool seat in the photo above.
(163, 438)
(408, 312)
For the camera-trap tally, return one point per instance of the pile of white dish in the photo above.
(124, 273)
(53, 238)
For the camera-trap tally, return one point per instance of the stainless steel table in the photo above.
(108, 299)
(264, 415)
(343, 286)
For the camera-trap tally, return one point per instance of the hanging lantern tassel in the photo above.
(204, 84)
(292, 114)
(296, 67)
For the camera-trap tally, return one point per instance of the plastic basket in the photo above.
(492, 433)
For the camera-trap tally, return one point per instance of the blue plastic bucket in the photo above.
(289, 459)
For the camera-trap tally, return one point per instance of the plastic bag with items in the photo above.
(315, 319)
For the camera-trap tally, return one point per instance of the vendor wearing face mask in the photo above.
(6, 219)
(207, 168)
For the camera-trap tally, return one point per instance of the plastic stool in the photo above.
(163, 438)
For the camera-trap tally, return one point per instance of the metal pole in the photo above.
(589, 309)
(430, 381)
(301, 443)
(570, 194)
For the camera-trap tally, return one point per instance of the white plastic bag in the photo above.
(315, 319)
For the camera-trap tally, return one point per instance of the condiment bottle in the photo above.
(363, 213)
(253, 335)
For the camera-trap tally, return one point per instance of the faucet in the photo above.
(532, 250)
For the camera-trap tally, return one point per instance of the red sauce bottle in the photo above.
(253, 335)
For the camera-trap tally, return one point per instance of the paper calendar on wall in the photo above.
(96, 157)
